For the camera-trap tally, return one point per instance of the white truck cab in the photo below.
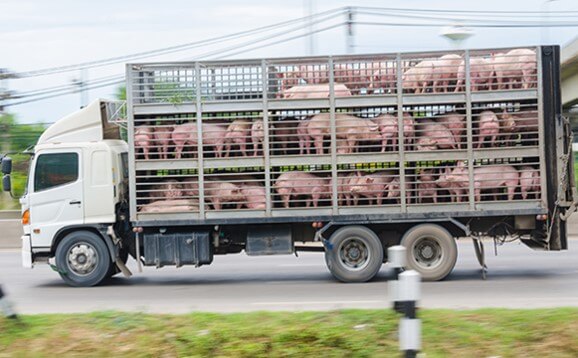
(77, 179)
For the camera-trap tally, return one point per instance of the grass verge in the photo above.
(348, 333)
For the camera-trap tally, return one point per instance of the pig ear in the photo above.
(369, 180)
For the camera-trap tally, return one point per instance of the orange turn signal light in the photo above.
(26, 217)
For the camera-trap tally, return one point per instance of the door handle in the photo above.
(74, 202)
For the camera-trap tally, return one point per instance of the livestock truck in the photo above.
(347, 155)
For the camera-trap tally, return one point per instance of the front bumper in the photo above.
(26, 252)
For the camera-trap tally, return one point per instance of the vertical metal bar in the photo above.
(400, 134)
(541, 148)
(266, 153)
(200, 154)
(333, 129)
(469, 131)
(130, 135)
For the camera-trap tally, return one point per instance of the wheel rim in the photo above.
(354, 254)
(427, 252)
(82, 258)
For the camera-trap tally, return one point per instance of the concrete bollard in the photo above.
(396, 258)
(6, 306)
(405, 291)
(409, 325)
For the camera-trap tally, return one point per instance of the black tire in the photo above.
(82, 259)
(354, 254)
(430, 250)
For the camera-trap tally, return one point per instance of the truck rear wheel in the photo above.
(82, 259)
(431, 251)
(354, 254)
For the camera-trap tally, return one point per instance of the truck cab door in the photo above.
(56, 195)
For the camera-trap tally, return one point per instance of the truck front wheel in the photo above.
(82, 259)
(354, 254)
(431, 250)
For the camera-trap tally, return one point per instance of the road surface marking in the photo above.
(9, 220)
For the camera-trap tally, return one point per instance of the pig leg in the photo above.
(458, 86)
(478, 193)
(243, 147)
(315, 198)
(511, 185)
(351, 146)
(355, 199)
(216, 203)
(227, 150)
(319, 145)
(178, 149)
(379, 198)
(219, 149)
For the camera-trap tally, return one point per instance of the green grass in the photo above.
(349, 333)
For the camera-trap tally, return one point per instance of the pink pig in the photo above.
(238, 133)
(488, 127)
(388, 127)
(257, 136)
(434, 135)
(293, 184)
(445, 70)
(219, 192)
(315, 91)
(186, 134)
(171, 206)
(517, 67)
(143, 137)
(529, 181)
(349, 131)
(162, 135)
(254, 195)
(481, 72)
(426, 186)
(487, 177)
(418, 78)
(456, 123)
(371, 186)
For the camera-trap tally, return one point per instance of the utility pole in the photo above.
(350, 35)
(5, 94)
(81, 83)
(311, 39)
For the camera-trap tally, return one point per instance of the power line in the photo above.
(486, 22)
(166, 50)
(46, 90)
(374, 23)
(465, 11)
(65, 90)
(71, 91)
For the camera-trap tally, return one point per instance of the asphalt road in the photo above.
(518, 278)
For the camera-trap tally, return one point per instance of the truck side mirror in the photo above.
(6, 165)
(6, 185)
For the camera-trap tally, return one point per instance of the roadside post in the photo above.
(404, 291)
(6, 306)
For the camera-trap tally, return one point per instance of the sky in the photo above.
(43, 34)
